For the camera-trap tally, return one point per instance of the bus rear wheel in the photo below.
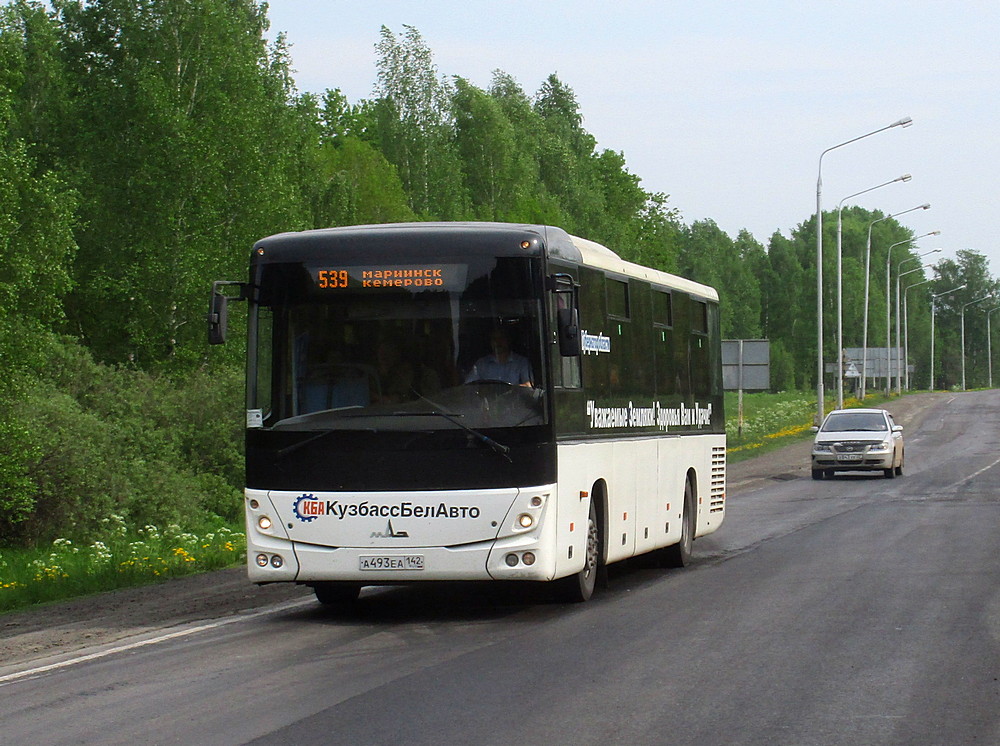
(333, 593)
(679, 554)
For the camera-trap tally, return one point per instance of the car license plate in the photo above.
(848, 457)
(392, 562)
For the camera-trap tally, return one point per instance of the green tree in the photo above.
(981, 291)
(187, 148)
(565, 159)
(787, 319)
(492, 165)
(742, 287)
(36, 246)
(624, 202)
(414, 126)
(660, 234)
(534, 203)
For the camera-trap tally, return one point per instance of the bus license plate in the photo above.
(392, 562)
(848, 457)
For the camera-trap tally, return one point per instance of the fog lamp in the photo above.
(276, 561)
(262, 560)
(511, 560)
(528, 558)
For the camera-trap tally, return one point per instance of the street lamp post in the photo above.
(906, 334)
(970, 303)
(899, 276)
(840, 285)
(989, 345)
(888, 292)
(904, 122)
(868, 261)
(934, 298)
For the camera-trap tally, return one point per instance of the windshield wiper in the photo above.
(453, 418)
(482, 437)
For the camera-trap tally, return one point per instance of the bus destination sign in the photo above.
(408, 277)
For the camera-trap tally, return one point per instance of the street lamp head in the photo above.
(948, 292)
(925, 206)
(934, 233)
(904, 177)
(904, 122)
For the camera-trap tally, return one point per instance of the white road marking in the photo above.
(962, 481)
(10, 678)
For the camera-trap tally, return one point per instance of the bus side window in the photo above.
(701, 370)
(663, 342)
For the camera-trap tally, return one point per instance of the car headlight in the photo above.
(821, 447)
(885, 445)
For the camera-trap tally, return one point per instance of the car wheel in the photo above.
(817, 473)
(889, 473)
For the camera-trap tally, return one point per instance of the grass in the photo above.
(771, 421)
(123, 559)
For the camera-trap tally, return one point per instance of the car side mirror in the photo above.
(897, 428)
(814, 428)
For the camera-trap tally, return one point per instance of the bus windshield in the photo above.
(451, 344)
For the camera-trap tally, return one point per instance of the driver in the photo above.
(502, 364)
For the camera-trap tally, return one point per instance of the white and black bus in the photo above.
(472, 401)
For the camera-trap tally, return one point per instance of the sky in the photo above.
(727, 106)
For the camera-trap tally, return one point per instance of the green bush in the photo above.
(83, 441)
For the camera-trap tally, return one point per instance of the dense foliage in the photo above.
(144, 146)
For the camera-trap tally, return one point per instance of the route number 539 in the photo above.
(330, 279)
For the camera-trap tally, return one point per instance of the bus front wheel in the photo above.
(333, 593)
(580, 586)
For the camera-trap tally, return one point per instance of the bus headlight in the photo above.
(525, 520)
(264, 523)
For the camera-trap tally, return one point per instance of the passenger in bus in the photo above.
(502, 364)
(401, 380)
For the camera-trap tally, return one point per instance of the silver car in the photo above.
(858, 440)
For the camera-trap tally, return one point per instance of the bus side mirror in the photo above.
(218, 310)
(218, 318)
(568, 320)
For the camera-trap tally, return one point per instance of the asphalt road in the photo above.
(854, 610)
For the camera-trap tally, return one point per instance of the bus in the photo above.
(472, 401)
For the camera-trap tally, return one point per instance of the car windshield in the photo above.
(855, 421)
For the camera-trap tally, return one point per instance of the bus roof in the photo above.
(558, 243)
(594, 254)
